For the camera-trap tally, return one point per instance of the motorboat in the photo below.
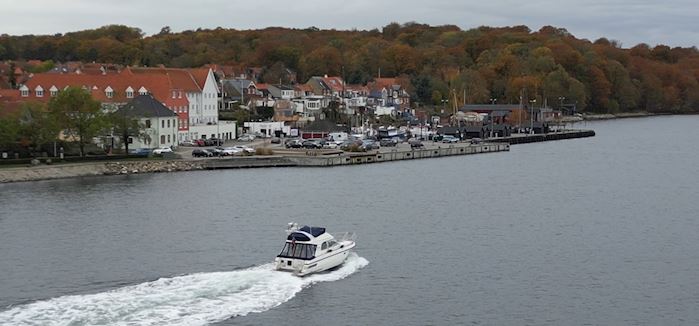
(310, 249)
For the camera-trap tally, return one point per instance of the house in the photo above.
(282, 92)
(160, 122)
(332, 87)
(388, 92)
(285, 110)
(238, 91)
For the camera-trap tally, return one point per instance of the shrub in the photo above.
(264, 151)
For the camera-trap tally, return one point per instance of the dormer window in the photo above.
(109, 92)
(129, 92)
(54, 91)
(24, 91)
(39, 91)
(174, 94)
(142, 91)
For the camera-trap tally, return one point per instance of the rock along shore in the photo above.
(60, 171)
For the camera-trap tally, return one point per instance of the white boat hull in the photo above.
(302, 267)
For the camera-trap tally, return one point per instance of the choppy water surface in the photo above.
(589, 231)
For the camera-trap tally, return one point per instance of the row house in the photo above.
(190, 93)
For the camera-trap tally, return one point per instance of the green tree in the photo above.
(36, 125)
(9, 130)
(127, 125)
(78, 115)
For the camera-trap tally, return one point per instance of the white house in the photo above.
(159, 121)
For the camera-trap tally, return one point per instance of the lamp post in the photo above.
(492, 118)
(562, 98)
(531, 116)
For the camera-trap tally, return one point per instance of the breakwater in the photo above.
(524, 139)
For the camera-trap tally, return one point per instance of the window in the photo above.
(162, 123)
(168, 138)
(39, 93)
(162, 139)
(324, 246)
(25, 92)
(168, 123)
(129, 93)
(298, 250)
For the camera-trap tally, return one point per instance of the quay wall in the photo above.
(358, 158)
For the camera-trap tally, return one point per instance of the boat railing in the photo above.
(344, 236)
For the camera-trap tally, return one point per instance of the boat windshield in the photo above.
(298, 250)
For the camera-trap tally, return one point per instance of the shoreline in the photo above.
(611, 116)
(387, 154)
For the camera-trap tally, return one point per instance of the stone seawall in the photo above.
(113, 168)
(60, 171)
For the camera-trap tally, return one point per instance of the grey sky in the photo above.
(672, 22)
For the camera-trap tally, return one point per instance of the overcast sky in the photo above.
(671, 22)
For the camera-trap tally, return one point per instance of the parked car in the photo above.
(415, 143)
(388, 142)
(450, 139)
(347, 144)
(276, 140)
(476, 140)
(213, 142)
(189, 143)
(246, 137)
(201, 153)
(293, 143)
(437, 137)
(217, 151)
(312, 144)
(245, 149)
(200, 142)
(369, 144)
(230, 151)
(161, 150)
(140, 151)
(332, 144)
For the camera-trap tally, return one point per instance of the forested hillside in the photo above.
(441, 62)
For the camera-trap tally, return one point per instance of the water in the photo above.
(588, 231)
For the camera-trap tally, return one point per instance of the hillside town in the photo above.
(183, 106)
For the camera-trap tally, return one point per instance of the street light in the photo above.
(492, 122)
(531, 116)
(444, 104)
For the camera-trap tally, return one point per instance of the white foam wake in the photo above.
(195, 299)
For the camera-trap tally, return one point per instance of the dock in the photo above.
(348, 158)
(328, 158)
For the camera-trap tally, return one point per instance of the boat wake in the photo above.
(195, 299)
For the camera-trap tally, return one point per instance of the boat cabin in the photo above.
(306, 243)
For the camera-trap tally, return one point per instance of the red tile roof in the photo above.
(9, 101)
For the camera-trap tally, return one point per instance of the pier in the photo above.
(377, 156)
